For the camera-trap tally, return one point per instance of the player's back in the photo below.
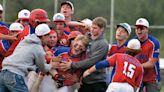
(128, 69)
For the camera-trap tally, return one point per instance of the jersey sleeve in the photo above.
(60, 50)
(140, 77)
(112, 59)
(156, 49)
(102, 64)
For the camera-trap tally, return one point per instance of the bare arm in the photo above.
(150, 63)
(7, 37)
(75, 23)
(89, 71)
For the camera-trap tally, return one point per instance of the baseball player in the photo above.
(54, 39)
(4, 29)
(23, 17)
(67, 81)
(37, 16)
(14, 29)
(62, 30)
(129, 71)
(67, 9)
(123, 32)
(149, 56)
(75, 54)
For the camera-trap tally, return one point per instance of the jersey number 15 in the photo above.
(129, 69)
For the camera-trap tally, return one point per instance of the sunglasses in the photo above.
(140, 27)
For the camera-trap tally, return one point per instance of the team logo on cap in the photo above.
(125, 25)
(21, 27)
(140, 21)
(25, 14)
(59, 17)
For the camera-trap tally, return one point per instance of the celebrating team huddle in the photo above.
(72, 56)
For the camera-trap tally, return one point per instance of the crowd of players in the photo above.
(72, 55)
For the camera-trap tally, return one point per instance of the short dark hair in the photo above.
(100, 21)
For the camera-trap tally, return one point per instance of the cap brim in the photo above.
(59, 21)
(15, 30)
(24, 18)
(132, 50)
(140, 25)
(118, 25)
(49, 33)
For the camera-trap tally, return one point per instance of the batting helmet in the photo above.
(38, 15)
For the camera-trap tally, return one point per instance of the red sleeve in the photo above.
(4, 30)
(112, 59)
(140, 76)
(12, 47)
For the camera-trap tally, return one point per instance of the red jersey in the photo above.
(67, 56)
(128, 69)
(117, 49)
(4, 46)
(150, 49)
(64, 38)
(71, 76)
(4, 29)
(67, 29)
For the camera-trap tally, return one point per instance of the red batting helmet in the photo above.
(38, 15)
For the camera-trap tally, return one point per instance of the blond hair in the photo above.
(82, 38)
